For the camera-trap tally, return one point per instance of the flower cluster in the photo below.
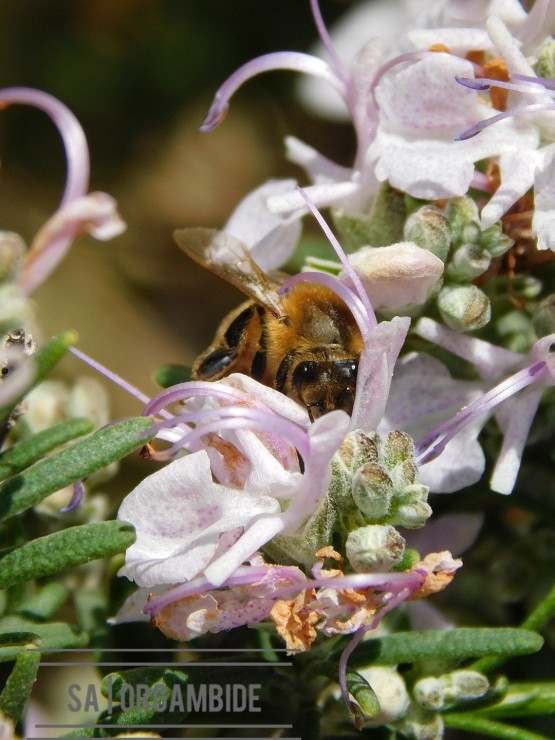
(440, 217)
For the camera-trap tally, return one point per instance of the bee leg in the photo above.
(218, 360)
(282, 373)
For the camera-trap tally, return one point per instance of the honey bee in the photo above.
(304, 343)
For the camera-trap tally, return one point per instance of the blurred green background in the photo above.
(140, 75)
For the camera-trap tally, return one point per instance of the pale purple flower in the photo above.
(248, 440)
(530, 118)
(405, 110)
(246, 435)
(328, 602)
(78, 211)
(248, 596)
(514, 400)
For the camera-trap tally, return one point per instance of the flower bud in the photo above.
(464, 307)
(543, 319)
(372, 491)
(374, 547)
(415, 514)
(495, 242)
(357, 449)
(396, 448)
(404, 474)
(12, 250)
(468, 262)
(429, 228)
(391, 691)
(442, 692)
(464, 219)
(397, 276)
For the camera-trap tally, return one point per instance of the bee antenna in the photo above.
(347, 266)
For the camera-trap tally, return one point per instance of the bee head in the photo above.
(325, 386)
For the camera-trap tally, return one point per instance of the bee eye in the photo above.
(347, 369)
(306, 372)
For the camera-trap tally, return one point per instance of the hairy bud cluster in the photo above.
(382, 477)
(456, 237)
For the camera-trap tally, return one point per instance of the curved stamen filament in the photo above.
(230, 418)
(415, 580)
(243, 576)
(474, 410)
(346, 294)
(543, 81)
(110, 375)
(339, 69)
(483, 84)
(512, 113)
(281, 60)
(259, 422)
(362, 294)
(76, 497)
(193, 389)
(73, 137)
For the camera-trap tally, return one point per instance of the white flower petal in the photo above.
(519, 411)
(457, 40)
(461, 463)
(320, 169)
(543, 222)
(179, 513)
(508, 47)
(376, 371)
(489, 359)
(423, 396)
(517, 170)
(269, 238)
(322, 196)
(95, 213)
(326, 435)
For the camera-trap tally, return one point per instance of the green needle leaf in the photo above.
(50, 637)
(454, 645)
(18, 687)
(487, 728)
(75, 463)
(43, 604)
(28, 451)
(66, 549)
(524, 700)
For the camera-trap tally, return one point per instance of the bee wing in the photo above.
(228, 258)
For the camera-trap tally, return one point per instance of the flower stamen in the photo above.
(501, 392)
(283, 60)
